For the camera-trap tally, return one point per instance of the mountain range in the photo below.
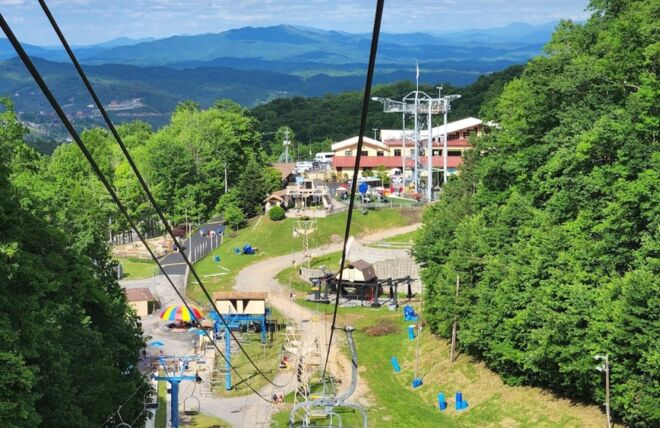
(146, 78)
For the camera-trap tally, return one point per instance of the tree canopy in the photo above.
(553, 225)
(69, 343)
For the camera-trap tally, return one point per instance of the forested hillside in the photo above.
(334, 117)
(68, 342)
(553, 225)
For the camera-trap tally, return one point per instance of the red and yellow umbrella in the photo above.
(180, 313)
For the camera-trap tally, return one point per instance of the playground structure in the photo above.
(242, 312)
(306, 193)
(357, 288)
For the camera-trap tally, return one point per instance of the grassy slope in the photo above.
(491, 402)
(276, 239)
(136, 268)
(267, 358)
(394, 403)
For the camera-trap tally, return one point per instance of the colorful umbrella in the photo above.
(180, 313)
(156, 344)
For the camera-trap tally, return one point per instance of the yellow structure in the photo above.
(243, 303)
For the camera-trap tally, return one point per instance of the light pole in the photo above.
(605, 368)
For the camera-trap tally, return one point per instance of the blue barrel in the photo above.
(442, 403)
(417, 382)
(459, 396)
(395, 365)
(411, 332)
(216, 258)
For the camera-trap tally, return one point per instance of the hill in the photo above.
(151, 93)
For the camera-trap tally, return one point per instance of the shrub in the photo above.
(276, 213)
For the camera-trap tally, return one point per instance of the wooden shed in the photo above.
(141, 300)
(243, 303)
(359, 271)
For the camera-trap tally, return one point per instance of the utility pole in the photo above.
(226, 184)
(605, 368)
(453, 327)
(403, 153)
(286, 144)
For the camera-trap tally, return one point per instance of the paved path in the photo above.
(196, 244)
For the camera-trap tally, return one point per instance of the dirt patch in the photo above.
(382, 329)
(336, 239)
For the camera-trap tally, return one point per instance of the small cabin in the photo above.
(141, 300)
(274, 199)
(242, 303)
(359, 271)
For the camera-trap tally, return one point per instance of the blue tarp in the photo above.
(409, 313)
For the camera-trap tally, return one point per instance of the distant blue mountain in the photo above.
(515, 42)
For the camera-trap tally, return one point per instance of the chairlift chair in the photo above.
(191, 406)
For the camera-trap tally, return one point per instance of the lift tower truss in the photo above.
(418, 103)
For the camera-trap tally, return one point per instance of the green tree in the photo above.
(66, 330)
(252, 188)
(234, 217)
(552, 224)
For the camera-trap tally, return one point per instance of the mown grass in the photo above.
(136, 268)
(267, 359)
(205, 421)
(276, 239)
(161, 412)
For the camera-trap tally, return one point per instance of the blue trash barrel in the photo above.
(442, 402)
(411, 332)
(216, 258)
(395, 365)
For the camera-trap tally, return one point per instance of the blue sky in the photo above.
(93, 21)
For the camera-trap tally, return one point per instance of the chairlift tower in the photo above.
(418, 103)
(305, 228)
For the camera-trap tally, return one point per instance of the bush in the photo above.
(276, 213)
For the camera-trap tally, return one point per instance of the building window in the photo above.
(380, 153)
(454, 153)
(397, 152)
(348, 153)
(437, 152)
(364, 153)
(412, 152)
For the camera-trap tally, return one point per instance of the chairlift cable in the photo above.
(144, 185)
(142, 385)
(356, 168)
(76, 137)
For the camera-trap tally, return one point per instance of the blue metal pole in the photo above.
(263, 329)
(228, 361)
(175, 403)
